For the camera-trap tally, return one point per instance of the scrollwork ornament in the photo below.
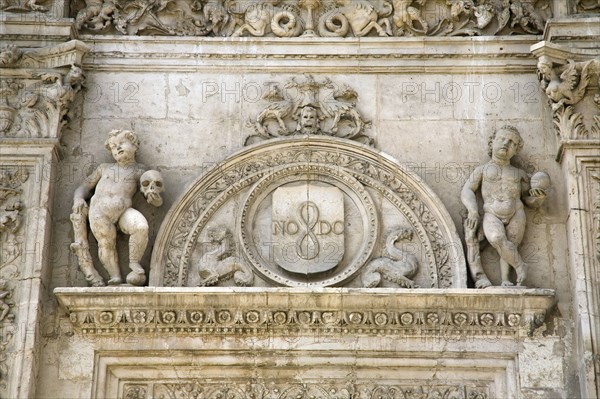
(310, 18)
(277, 389)
(320, 108)
(11, 214)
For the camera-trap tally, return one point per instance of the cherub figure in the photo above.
(502, 188)
(111, 207)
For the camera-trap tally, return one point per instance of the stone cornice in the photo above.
(35, 30)
(241, 311)
(37, 89)
(585, 27)
(327, 55)
(587, 146)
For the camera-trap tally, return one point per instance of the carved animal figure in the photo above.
(279, 108)
(221, 264)
(264, 16)
(458, 8)
(360, 15)
(484, 13)
(397, 268)
(405, 15)
(97, 15)
(525, 15)
(342, 105)
(568, 88)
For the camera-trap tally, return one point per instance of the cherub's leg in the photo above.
(134, 223)
(106, 235)
(505, 273)
(495, 233)
(514, 232)
(474, 258)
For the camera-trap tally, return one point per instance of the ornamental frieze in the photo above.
(312, 18)
(221, 311)
(280, 390)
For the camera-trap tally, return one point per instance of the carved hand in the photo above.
(79, 205)
(473, 220)
(154, 199)
(537, 193)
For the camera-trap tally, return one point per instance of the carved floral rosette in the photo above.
(378, 195)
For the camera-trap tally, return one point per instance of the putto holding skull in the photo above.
(113, 186)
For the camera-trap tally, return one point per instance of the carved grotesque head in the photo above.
(308, 122)
(152, 185)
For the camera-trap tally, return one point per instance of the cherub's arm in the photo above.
(3, 294)
(469, 199)
(83, 192)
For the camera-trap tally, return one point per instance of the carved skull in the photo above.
(152, 186)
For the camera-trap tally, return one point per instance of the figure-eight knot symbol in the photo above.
(307, 245)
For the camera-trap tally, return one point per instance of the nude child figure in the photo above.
(504, 189)
(113, 186)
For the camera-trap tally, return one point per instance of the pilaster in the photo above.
(37, 89)
(568, 67)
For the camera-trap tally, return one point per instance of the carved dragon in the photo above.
(220, 263)
(359, 15)
(398, 267)
(262, 18)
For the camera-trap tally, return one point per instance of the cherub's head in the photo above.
(505, 142)
(123, 145)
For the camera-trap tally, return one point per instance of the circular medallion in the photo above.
(308, 225)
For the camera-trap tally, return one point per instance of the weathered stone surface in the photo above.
(423, 102)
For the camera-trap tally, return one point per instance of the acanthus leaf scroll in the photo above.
(566, 85)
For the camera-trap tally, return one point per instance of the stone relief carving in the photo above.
(10, 55)
(262, 18)
(295, 210)
(11, 217)
(587, 6)
(308, 18)
(359, 17)
(237, 321)
(20, 6)
(398, 266)
(566, 86)
(596, 212)
(37, 109)
(324, 390)
(317, 108)
(220, 263)
(504, 189)
(110, 208)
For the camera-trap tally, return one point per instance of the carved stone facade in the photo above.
(322, 217)
(315, 18)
